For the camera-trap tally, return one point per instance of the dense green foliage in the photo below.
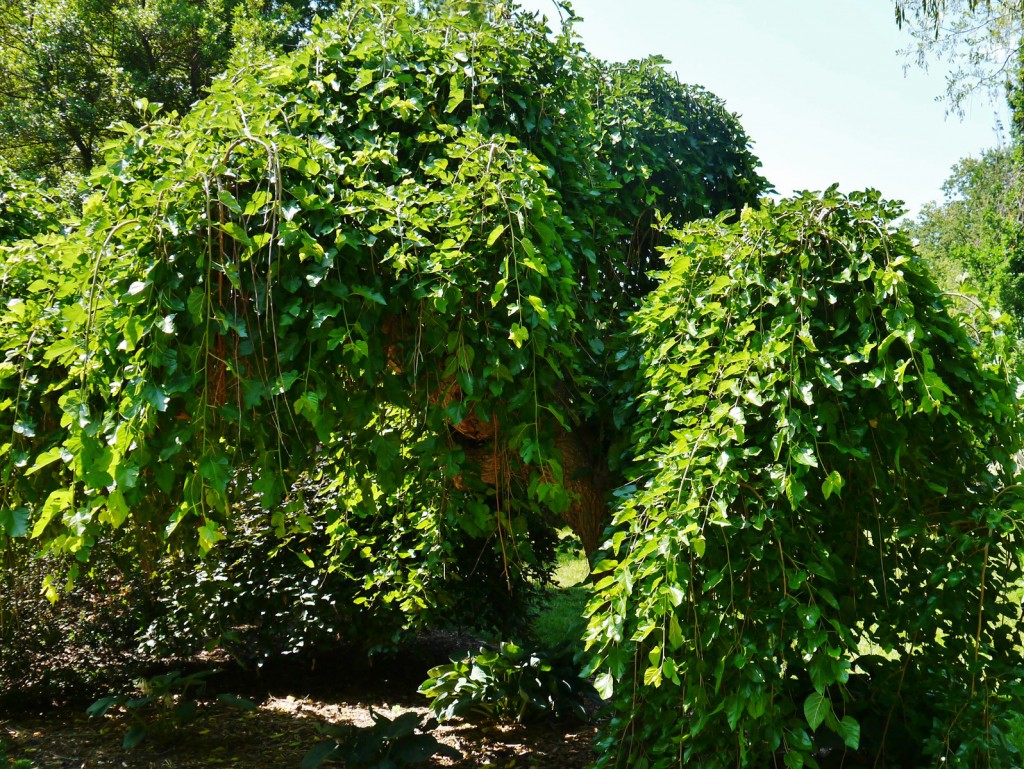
(337, 255)
(25, 209)
(297, 586)
(510, 682)
(332, 353)
(163, 705)
(973, 240)
(70, 68)
(824, 526)
(388, 744)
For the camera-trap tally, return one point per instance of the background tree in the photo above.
(71, 69)
(973, 239)
(978, 40)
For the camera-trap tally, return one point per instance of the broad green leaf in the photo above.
(805, 456)
(833, 484)
(519, 335)
(495, 234)
(14, 523)
(816, 707)
(56, 503)
(849, 731)
(45, 459)
(229, 202)
(238, 233)
(605, 685)
(454, 100)
(135, 735)
(652, 676)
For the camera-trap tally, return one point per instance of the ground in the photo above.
(292, 698)
(48, 728)
(277, 735)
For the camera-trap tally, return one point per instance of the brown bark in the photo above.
(584, 465)
(584, 476)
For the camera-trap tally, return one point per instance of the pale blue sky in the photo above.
(818, 84)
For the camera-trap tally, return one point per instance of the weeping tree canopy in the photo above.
(822, 528)
(404, 250)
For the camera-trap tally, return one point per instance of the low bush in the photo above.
(510, 683)
(162, 705)
(388, 744)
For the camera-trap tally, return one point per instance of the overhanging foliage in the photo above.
(401, 251)
(825, 530)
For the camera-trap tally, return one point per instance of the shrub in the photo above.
(162, 705)
(509, 682)
(388, 744)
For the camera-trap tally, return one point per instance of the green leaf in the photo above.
(454, 100)
(816, 707)
(369, 293)
(102, 705)
(538, 306)
(849, 731)
(238, 233)
(519, 335)
(229, 202)
(605, 686)
(363, 79)
(795, 491)
(735, 704)
(833, 484)
(57, 502)
(133, 737)
(137, 292)
(495, 234)
(675, 633)
(14, 522)
(318, 754)
(652, 676)
(45, 459)
(196, 304)
(805, 456)
(117, 508)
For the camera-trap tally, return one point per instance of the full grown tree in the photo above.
(454, 213)
(816, 557)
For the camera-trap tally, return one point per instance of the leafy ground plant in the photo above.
(388, 744)
(509, 682)
(163, 704)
